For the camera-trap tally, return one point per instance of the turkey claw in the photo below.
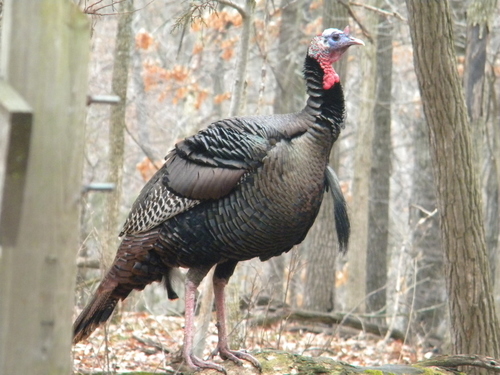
(237, 356)
(196, 364)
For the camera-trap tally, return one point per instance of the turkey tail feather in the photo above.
(342, 224)
(97, 311)
(135, 266)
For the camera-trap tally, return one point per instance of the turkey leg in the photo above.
(220, 283)
(193, 280)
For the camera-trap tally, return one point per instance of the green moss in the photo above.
(286, 363)
(434, 371)
(373, 372)
(308, 366)
(274, 360)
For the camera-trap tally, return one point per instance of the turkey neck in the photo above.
(325, 106)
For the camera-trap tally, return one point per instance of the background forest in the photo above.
(180, 65)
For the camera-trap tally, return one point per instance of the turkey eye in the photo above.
(335, 37)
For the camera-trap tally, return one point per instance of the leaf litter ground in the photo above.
(152, 343)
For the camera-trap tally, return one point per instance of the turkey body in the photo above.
(265, 215)
(242, 188)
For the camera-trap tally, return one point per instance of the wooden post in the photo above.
(45, 53)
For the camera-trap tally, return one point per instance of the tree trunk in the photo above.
(479, 15)
(474, 322)
(45, 50)
(356, 267)
(237, 100)
(378, 215)
(289, 97)
(430, 290)
(117, 129)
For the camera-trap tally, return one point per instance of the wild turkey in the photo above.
(242, 188)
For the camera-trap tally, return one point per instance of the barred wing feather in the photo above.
(205, 166)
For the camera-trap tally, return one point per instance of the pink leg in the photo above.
(192, 361)
(222, 346)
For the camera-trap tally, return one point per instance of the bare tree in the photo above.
(474, 322)
(288, 98)
(356, 284)
(241, 67)
(117, 128)
(378, 215)
(429, 293)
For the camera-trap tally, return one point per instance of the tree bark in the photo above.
(237, 100)
(479, 13)
(356, 283)
(289, 97)
(290, 87)
(378, 215)
(117, 129)
(430, 290)
(474, 322)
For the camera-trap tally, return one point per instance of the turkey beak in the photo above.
(355, 41)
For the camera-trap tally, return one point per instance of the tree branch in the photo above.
(229, 3)
(454, 361)
(356, 19)
(379, 11)
(82, 262)
(324, 318)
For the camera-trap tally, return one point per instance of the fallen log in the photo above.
(276, 362)
(302, 316)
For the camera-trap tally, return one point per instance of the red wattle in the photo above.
(330, 76)
(330, 79)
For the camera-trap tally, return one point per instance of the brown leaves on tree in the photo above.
(177, 83)
(144, 40)
(148, 168)
(180, 82)
(219, 21)
(218, 99)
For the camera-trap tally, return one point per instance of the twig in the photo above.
(88, 283)
(379, 11)
(148, 152)
(427, 212)
(356, 19)
(89, 10)
(94, 12)
(193, 13)
(152, 343)
(240, 10)
(82, 262)
(453, 361)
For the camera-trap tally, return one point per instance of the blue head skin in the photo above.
(328, 48)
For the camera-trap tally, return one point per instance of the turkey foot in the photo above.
(236, 356)
(193, 279)
(196, 364)
(220, 283)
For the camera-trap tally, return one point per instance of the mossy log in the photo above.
(283, 363)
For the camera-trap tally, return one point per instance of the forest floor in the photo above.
(144, 342)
